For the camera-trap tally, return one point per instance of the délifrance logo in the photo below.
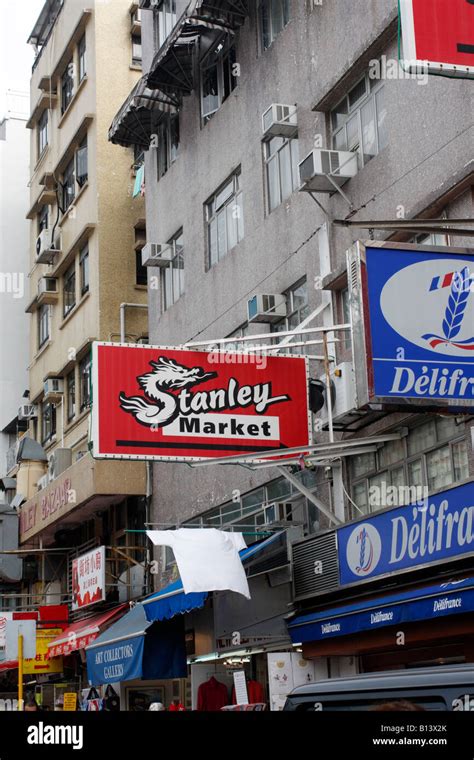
(461, 284)
(363, 551)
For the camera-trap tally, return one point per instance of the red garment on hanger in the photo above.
(255, 693)
(212, 695)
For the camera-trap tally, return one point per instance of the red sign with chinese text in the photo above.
(179, 405)
(440, 32)
(88, 578)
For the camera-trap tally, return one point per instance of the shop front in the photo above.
(398, 591)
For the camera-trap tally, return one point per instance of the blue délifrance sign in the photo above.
(440, 528)
(421, 315)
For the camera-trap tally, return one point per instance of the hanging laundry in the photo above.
(207, 559)
(139, 181)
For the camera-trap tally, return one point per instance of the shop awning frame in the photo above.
(414, 605)
(81, 633)
(172, 600)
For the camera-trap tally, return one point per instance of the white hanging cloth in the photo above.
(207, 559)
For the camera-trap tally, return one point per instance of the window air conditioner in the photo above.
(319, 165)
(46, 249)
(266, 308)
(280, 121)
(343, 395)
(53, 388)
(42, 482)
(59, 460)
(279, 511)
(156, 255)
(27, 412)
(48, 289)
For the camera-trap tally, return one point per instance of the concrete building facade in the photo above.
(226, 197)
(86, 226)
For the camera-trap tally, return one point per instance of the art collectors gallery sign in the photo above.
(179, 405)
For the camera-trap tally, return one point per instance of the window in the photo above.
(69, 289)
(43, 219)
(84, 269)
(430, 239)
(433, 455)
(43, 325)
(71, 394)
(81, 50)
(281, 163)
(274, 16)
(358, 123)
(81, 163)
(138, 156)
(168, 143)
(248, 511)
(172, 276)
(217, 77)
(48, 422)
(141, 272)
(67, 86)
(136, 49)
(42, 132)
(297, 310)
(225, 219)
(166, 20)
(85, 382)
(68, 189)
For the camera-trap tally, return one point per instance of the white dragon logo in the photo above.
(167, 375)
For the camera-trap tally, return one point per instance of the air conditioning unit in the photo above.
(278, 512)
(320, 164)
(266, 308)
(59, 461)
(280, 121)
(27, 412)
(42, 482)
(156, 255)
(46, 248)
(53, 388)
(48, 290)
(343, 395)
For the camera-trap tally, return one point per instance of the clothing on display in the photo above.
(212, 695)
(207, 558)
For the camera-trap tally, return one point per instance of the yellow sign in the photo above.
(70, 701)
(40, 664)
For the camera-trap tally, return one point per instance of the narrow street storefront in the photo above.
(399, 588)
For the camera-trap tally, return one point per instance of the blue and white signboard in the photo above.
(433, 531)
(417, 309)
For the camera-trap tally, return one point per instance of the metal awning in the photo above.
(45, 22)
(138, 117)
(172, 68)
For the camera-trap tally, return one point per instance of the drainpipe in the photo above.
(124, 306)
(149, 465)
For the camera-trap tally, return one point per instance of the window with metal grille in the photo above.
(67, 86)
(42, 132)
(69, 289)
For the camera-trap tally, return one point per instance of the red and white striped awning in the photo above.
(79, 635)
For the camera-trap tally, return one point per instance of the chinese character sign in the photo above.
(88, 578)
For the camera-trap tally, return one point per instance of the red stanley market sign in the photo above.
(179, 405)
(439, 33)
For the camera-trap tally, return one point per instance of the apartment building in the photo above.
(234, 96)
(86, 221)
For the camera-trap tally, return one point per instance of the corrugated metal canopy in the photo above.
(172, 68)
(138, 117)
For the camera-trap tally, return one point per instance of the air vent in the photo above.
(308, 581)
